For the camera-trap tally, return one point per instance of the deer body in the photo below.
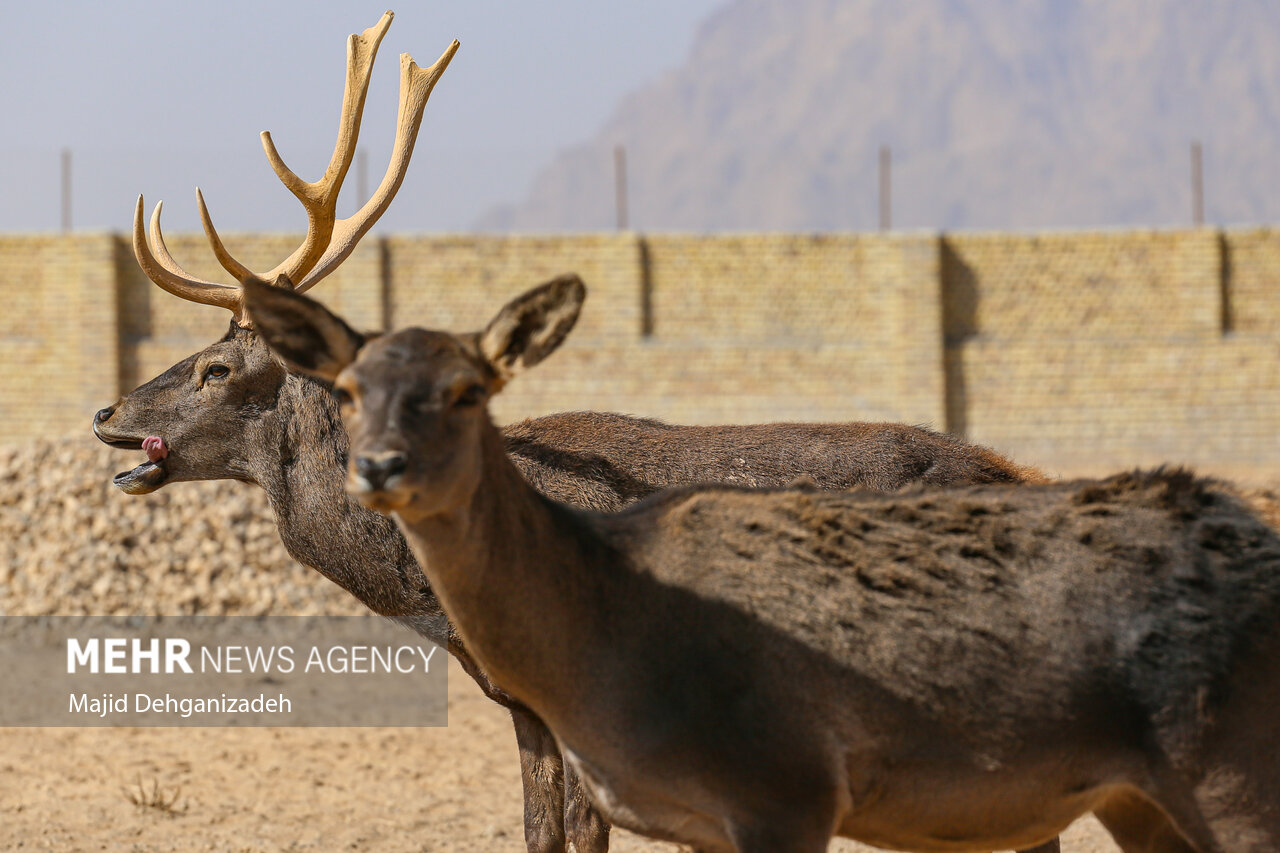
(752, 671)
(968, 671)
(605, 461)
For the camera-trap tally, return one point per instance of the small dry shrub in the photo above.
(155, 798)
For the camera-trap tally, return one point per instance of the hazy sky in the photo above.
(159, 97)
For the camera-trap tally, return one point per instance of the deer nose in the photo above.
(102, 414)
(377, 470)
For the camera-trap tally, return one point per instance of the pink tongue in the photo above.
(154, 445)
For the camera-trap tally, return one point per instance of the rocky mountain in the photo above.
(999, 114)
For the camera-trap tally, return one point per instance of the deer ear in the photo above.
(307, 336)
(531, 326)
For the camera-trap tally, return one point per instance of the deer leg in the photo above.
(1139, 826)
(541, 767)
(585, 829)
(542, 774)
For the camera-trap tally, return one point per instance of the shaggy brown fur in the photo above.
(264, 425)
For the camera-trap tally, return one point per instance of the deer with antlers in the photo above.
(755, 671)
(232, 411)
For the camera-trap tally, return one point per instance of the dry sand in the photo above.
(443, 790)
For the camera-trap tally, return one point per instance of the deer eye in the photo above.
(342, 396)
(471, 395)
(216, 371)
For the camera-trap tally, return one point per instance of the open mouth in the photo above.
(148, 476)
(120, 443)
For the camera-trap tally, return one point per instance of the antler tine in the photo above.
(329, 241)
(416, 85)
(166, 273)
(320, 198)
(238, 270)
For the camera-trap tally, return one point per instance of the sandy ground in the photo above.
(452, 790)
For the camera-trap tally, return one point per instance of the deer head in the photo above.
(214, 414)
(414, 401)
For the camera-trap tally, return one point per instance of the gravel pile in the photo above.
(73, 546)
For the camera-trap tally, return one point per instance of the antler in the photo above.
(329, 240)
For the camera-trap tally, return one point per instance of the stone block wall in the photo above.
(1076, 351)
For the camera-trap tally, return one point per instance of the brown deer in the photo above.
(232, 411)
(750, 670)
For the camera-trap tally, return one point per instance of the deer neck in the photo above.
(524, 579)
(322, 527)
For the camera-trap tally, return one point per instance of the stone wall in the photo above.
(1079, 352)
(1109, 349)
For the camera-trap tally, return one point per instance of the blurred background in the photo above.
(734, 114)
